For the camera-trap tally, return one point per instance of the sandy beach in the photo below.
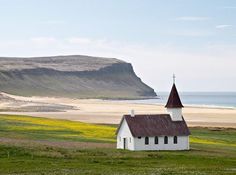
(110, 112)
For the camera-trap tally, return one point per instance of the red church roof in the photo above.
(174, 100)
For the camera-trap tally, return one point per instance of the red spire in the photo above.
(174, 100)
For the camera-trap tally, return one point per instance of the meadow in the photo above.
(39, 146)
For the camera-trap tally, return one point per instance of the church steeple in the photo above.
(174, 100)
(174, 105)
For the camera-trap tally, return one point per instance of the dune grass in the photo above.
(213, 151)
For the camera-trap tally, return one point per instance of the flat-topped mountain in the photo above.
(74, 76)
(60, 63)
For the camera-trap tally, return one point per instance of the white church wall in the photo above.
(175, 113)
(124, 132)
(182, 143)
(134, 143)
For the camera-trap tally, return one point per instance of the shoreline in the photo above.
(162, 104)
(128, 100)
(111, 111)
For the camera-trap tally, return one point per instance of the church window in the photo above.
(165, 140)
(146, 140)
(156, 140)
(175, 140)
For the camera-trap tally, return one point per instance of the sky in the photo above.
(195, 39)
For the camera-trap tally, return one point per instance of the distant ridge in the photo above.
(74, 76)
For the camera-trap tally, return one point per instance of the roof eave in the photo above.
(122, 120)
(118, 129)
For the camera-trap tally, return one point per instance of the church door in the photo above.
(124, 143)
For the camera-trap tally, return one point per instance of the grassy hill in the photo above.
(73, 76)
(46, 146)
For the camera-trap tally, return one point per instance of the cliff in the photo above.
(73, 76)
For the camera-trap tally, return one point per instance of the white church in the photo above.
(156, 131)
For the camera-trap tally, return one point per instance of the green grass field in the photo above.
(213, 151)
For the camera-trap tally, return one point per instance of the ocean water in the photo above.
(207, 99)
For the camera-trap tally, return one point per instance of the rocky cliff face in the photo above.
(72, 76)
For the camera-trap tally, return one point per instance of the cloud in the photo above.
(192, 33)
(78, 40)
(192, 18)
(230, 7)
(44, 40)
(223, 26)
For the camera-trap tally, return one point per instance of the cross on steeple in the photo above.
(174, 78)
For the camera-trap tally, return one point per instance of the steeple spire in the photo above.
(174, 78)
(174, 100)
